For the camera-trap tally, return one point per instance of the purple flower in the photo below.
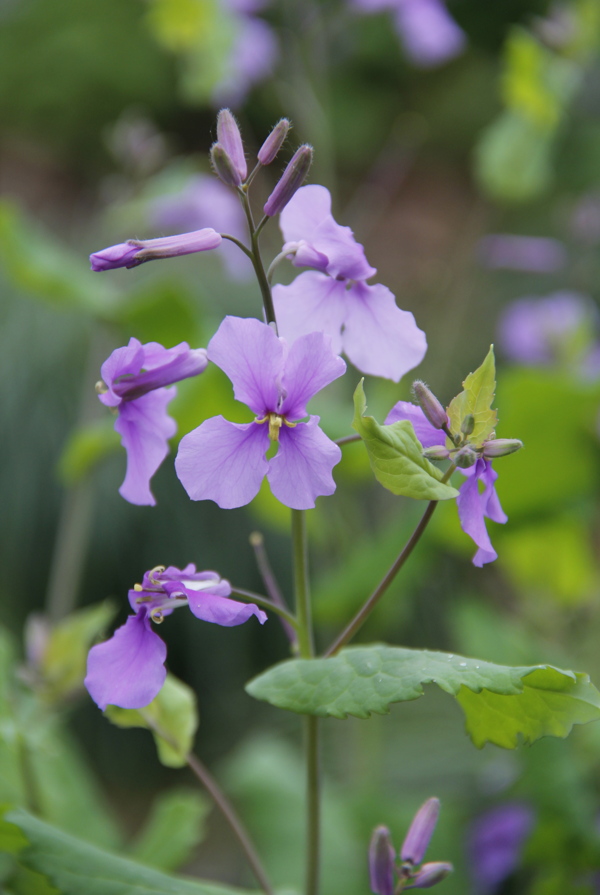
(430, 36)
(224, 461)
(533, 254)
(496, 843)
(133, 252)
(382, 870)
(363, 321)
(134, 380)
(252, 55)
(128, 670)
(473, 506)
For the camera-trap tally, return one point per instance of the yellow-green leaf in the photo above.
(476, 398)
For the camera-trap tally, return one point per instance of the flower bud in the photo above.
(223, 166)
(430, 874)
(468, 424)
(500, 447)
(291, 180)
(430, 405)
(465, 457)
(381, 862)
(437, 452)
(274, 142)
(228, 135)
(420, 832)
(136, 251)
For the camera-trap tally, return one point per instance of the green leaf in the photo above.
(86, 447)
(476, 399)
(172, 717)
(396, 456)
(75, 867)
(174, 829)
(500, 702)
(513, 158)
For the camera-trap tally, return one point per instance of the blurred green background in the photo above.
(108, 112)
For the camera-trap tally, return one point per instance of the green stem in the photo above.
(347, 439)
(251, 597)
(257, 262)
(365, 611)
(272, 587)
(301, 589)
(238, 243)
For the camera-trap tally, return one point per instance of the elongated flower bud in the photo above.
(465, 457)
(500, 447)
(437, 452)
(228, 135)
(420, 832)
(430, 405)
(137, 251)
(381, 862)
(291, 180)
(223, 165)
(430, 874)
(274, 142)
(468, 424)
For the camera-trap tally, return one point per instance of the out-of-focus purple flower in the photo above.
(252, 55)
(533, 254)
(585, 219)
(136, 251)
(363, 321)
(128, 669)
(224, 461)
(204, 201)
(547, 330)
(429, 35)
(495, 844)
(473, 506)
(410, 876)
(133, 382)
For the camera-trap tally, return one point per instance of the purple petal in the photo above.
(313, 302)
(496, 844)
(161, 367)
(301, 217)
(145, 428)
(420, 832)
(379, 338)
(127, 670)
(223, 461)
(534, 254)
(301, 470)
(474, 506)
(211, 607)
(310, 366)
(126, 361)
(427, 434)
(430, 35)
(381, 862)
(122, 255)
(250, 353)
(251, 59)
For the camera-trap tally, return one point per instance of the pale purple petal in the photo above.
(127, 670)
(538, 330)
(145, 427)
(429, 34)
(211, 607)
(303, 214)
(161, 367)
(250, 353)
(346, 257)
(474, 506)
(496, 843)
(301, 470)
(312, 302)
(493, 510)
(310, 366)
(121, 255)
(427, 434)
(126, 361)
(223, 461)
(534, 254)
(379, 338)
(251, 60)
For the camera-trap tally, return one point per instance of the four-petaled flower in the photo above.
(362, 320)
(383, 870)
(133, 380)
(473, 506)
(128, 669)
(225, 461)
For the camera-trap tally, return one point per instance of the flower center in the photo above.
(275, 421)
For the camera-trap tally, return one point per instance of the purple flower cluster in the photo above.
(363, 320)
(128, 669)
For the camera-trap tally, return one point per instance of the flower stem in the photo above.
(257, 543)
(348, 439)
(251, 597)
(303, 610)
(257, 262)
(363, 613)
(238, 243)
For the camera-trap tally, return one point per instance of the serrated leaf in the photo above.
(396, 456)
(500, 702)
(172, 717)
(75, 867)
(476, 398)
(173, 830)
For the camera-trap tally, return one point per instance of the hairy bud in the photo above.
(437, 452)
(430, 405)
(465, 457)
(274, 142)
(430, 875)
(228, 135)
(468, 424)
(500, 447)
(291, 180)
(223, 166)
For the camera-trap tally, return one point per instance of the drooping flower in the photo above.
(362, 320)
(382, 869)
(128, 669)
(429, 34)
(136, 251)
(225, 461)
(496, 843)
(133, 382)
(474, 506)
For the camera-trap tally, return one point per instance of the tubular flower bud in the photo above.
(228, 135)
(291, 180)
(223, 166)
(429, 875)
(420, 832)
(381, 862)
(468, 424)
(500, 447)
(136, 251)
(274, 142)
(465, 457)
(437, 452)
(430, 405)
